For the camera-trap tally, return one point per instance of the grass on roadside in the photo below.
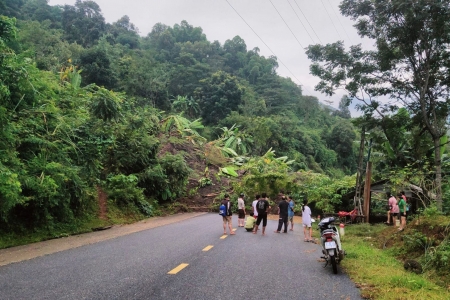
(12, 239)
(378, 274)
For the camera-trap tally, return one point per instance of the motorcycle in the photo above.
(331, 242)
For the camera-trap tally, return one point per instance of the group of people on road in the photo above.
(260, 211)
(397, 209)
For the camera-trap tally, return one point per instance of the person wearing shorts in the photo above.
(228, 218)
(263, 207)
(306, 220)
(394, 209)
(402, 211)
(241, 210)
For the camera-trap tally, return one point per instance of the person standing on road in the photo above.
(306, 220)
(283, 207)
(263, 207)
(241, 210)
(228, 218)
(255, 210)
(291, 213)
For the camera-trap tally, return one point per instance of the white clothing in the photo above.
(255, 211)
(241, 203)
(306, 216)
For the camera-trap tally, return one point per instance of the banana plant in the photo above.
(232, 142)
(184, 127)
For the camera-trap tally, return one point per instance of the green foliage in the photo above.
(431, 211)
(10, 191)
(322, 190)
(382, 276)
(166, 180)
(414, 46)
(123, 189)
(416, 241)
(105, 104)
(267, 174)
(204, 181)
(220, 94)
(61, 138)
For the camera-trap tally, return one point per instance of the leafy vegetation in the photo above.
(105, 126)
(376, 256)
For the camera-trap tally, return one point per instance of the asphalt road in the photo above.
(136, 266)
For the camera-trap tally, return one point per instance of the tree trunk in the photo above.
(438, 180)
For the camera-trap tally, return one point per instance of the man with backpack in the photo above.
(263, 208)
(226, 213)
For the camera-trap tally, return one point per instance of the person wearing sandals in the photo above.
(306, 220)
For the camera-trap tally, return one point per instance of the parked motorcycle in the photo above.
(331, 242)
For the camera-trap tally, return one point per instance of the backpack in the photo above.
(223, 210)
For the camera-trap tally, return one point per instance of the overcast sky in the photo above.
(308, 22)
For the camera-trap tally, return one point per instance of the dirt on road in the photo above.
(25, 252)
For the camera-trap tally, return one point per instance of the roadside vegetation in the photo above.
(105, 126)
(412, 264)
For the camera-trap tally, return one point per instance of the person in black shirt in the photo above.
(283, 207)
(263, 207)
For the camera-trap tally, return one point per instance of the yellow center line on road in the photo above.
(207, 248)
(223, 237)
(178, 269)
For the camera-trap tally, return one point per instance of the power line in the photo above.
(286, 24)
(267, 46)
(337, 16)
(330, 19)
(308, 21)
(300, 20)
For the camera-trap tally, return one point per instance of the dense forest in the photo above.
(87, 107)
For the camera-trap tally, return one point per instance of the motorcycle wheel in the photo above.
(334, 263)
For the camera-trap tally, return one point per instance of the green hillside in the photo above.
(100, 124)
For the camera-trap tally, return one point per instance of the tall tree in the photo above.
(343, 111)
(411, 63)
(219, 95)
(83, 23)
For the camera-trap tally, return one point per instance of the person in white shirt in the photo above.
(255, 211)
(306, 220)
(241, 210)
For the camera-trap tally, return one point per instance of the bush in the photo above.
(123, 190)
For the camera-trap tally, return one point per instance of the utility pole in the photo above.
(367, 185)
(357, 197)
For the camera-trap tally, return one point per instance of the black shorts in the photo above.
(263, 217)
(241, 214)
